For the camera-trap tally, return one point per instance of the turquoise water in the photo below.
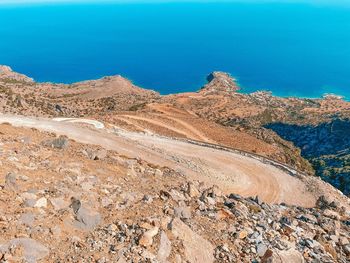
(290, 49)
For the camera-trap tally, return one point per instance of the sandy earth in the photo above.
(232, 172)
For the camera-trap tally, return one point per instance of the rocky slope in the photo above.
(68, 202)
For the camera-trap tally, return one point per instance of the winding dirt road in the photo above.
(232, 172)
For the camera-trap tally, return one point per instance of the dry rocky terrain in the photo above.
(104, 171)
(68, 202)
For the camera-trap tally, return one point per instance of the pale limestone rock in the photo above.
(42, 202)
(197, 249)
(147, 238)
(283, 256)
(164, 248)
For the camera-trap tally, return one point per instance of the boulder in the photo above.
(197, 249)
(60, 143)
(87, 219)
(59, 203)
(42, 202)
(33, 250)
(11, 181)
(146, 239)
(261, 249)
(96, 154)
(183, 212)
(164, 248)
(27, 219)
(282, 256)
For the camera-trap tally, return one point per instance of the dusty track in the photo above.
(232, 172)
(185, 129)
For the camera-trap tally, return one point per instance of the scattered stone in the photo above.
(146, 239)
(258, 200)
(186, 222)
(223, 214)
(192, 190)
(26, 196)
(344, 241)
(30, 203)
(75, 204)
(59, 203)
(347, 250)
(42, 202)
(164, 248)
(96, 154)
(331, 214)
(56, 231)
(243, 234)
(330, 249)
(105, 201)
(285, 256)
(158, 173)
(223, 254)
(60, 143)
(182, 212)
(147, 199)
(27, 219)
(176, 196)
(261, 249)
(11, 181)
(87, 186)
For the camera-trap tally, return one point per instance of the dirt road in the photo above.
(232, 172)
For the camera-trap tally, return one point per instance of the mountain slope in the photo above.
(103, 171)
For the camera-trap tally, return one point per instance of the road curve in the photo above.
(232, 172)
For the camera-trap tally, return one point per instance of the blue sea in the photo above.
(289, 49)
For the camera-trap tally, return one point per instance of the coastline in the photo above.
(242, 88)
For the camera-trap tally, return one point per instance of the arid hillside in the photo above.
(115, 99)
(90, 199)
(217, 113)
(21, 95)
(104, 171)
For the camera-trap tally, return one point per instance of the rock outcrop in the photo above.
(220, 83)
